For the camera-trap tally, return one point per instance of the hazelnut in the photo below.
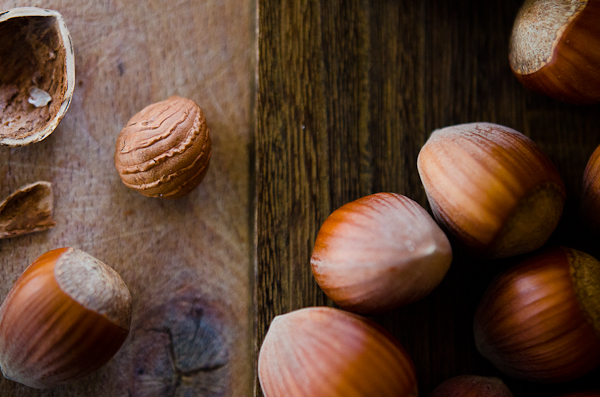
(555, 49)
(37, 74)
(540, 320)
(326, 352)
(164, 150)
(65, 316)
(590, 197)
(492, 188)
(379, 252)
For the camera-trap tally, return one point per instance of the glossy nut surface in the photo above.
(326, 352)
(540, 320)
(164, 150)
(64, 317)
(379, 252)
(590, 197)
(492, 188)
(555, 49)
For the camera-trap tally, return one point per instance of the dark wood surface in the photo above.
(348, 92)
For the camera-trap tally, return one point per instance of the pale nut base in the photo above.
(534, 220)
(538, 28)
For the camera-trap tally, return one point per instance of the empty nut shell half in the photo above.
(37, 74)
(164, 150)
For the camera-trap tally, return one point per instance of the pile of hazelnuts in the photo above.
(497, 195)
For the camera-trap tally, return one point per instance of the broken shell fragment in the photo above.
(27, 210)
(37, 74)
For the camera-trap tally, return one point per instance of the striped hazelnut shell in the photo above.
(555, 49)
(326, 352)
(540, 320)
(492, 188)
(379, 252)
(590, 197)
(164, 150)
(37, 74)
(65, 317)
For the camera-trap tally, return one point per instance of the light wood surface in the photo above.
(187, 262)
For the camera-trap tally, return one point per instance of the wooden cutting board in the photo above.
(187, 261)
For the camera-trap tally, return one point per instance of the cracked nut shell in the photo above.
(65, 317)
(27, 210)
(37, 74)
(164, 150)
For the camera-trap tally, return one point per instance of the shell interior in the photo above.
(37, 74)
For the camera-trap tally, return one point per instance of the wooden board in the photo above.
(187, 262)
(348, 92)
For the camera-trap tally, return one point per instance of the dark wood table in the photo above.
(348, 93)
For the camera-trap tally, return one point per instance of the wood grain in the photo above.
(187, 261)
(347, 95)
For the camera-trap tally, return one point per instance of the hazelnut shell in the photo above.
(472, 386)
(555, 49)
(379, 252)
(492, 188)
(65, 316)
(540, 320)
(36, 60)
(590, 197)
(326, 352)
